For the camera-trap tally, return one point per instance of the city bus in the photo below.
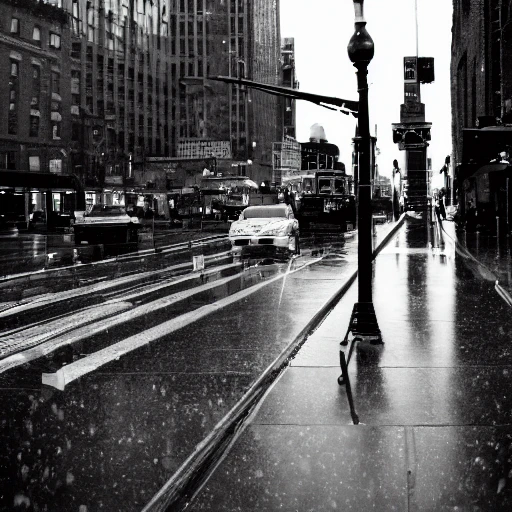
(323, 192)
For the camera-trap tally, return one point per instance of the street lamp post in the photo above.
(363, 322)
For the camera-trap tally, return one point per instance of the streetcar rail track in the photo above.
(151, 313)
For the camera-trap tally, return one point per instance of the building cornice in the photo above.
(18, 43)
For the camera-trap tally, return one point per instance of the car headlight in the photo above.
(237, 230)
(280, 231)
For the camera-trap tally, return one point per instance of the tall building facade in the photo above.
(481, 81)
(96, 87)
(289, 80)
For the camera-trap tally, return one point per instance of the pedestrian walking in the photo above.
(147, 212)
(437, 207)
(442, 209)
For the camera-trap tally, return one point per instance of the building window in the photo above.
(34, 164)
(36, 35)
(15, 26)
(56, 166)
(76, 49)
(8, 160)
(75, 92)
(75, 20)
(36, 87)
(55, 41)
(56, 117)
(34, 126)
(55, 130)
(12, 118)
(55, 82)
(75, 131)
(90, 25)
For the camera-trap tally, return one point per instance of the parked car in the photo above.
(266, 230)
(105, 224)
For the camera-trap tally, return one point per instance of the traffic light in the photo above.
(425, 70)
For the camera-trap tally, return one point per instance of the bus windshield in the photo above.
(324, 186)
(308, 185)
(339, 186)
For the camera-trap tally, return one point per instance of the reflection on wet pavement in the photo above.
(111, 439)
(433, 400)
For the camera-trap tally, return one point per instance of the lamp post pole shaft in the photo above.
(364, 212)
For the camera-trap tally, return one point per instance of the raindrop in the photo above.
(21, 499)
(24, 471)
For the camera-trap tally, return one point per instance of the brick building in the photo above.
(34, 71)
(481, 80)
(120, 81)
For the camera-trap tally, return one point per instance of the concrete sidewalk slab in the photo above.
(290, 468)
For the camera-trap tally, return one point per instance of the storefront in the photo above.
(54, 197)
(483, 180)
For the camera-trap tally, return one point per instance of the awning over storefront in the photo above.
(484, 150)
(42, 181)
(487, 168)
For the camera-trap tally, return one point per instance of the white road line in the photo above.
(97, 287)
(153, 287)
(39, 334)
(91, 329)
(73, 371)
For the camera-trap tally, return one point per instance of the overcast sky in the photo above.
(322, 30)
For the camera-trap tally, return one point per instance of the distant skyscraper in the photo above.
(243, 41)
(289, 80)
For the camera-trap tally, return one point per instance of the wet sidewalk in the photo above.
(434, 401)
(490, 256)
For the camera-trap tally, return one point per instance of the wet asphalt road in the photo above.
(110, 439)
(26, 251)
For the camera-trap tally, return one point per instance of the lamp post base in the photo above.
(363, 324)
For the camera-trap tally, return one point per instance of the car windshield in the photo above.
(100, 210)
(265, 212)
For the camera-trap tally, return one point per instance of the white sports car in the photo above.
(269, 230)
